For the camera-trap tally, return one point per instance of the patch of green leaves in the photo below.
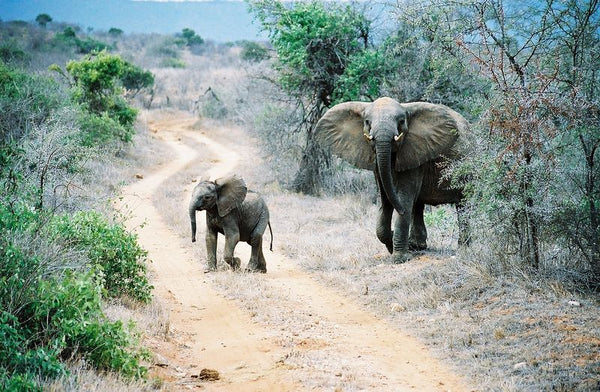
(111, 249)
(99, 81)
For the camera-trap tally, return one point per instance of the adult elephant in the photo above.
(407, 146)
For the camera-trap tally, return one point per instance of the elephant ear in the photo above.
(432, 131)
(231, 192)
(342, 129)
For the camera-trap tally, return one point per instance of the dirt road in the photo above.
(209, 331)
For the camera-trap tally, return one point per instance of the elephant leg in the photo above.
(257, 260)
(400, 240)
(211, 250)
(231, 240)
(384, 225)
(384, 220)
(418, 231)
(262, 263)
(408, 185)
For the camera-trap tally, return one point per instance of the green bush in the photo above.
(253, 51)
(135, 79)
(111, 249)
(69, 38)
(100, 129)
(99, 90)
(69, 312)
(89, 45)
(21, 366)
(51, 313)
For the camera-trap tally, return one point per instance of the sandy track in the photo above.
(213, 332)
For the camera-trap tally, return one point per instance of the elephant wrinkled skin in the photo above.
(407, 146)
(232, 210)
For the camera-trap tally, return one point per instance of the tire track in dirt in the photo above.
(222, 336)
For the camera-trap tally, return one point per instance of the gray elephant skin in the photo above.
(239, 214)
(406, 145)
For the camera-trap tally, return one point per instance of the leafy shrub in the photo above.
(89, 45)
(111, 249)
(100, 129)
(20, 365)
(98, 88)
(253, 51)
(49, 314)
(69, 38)
(135, 79)
(69, 313)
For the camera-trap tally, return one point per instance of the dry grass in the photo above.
(83, 378)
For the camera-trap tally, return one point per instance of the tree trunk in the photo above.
(310, 176)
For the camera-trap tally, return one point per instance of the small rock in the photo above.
(366, 290)
(396, 307)
(520, 365)
(160, 361)
(208, 375)
(139, 176)
(574, 303)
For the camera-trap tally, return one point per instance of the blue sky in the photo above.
(221, 21)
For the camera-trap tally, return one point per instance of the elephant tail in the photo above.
(270, 230)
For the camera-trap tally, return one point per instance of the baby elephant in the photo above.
(239, 214)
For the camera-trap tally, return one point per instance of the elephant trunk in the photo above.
(193, 221)
(384, 165)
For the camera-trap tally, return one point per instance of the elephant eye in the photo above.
(206, 197)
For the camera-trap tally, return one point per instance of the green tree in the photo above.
(115, 32)
(191, 38)
(98, 87)
(43, 19)
(136, 79)
(314, 42)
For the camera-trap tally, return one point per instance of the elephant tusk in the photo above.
(399, 137)
(368, 137)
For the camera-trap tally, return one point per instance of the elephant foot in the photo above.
(235, 263)
(417, 245)
(210, 268)
(401, 257)
(256, 269)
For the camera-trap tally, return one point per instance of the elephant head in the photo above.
(221, 195)
(385, 135)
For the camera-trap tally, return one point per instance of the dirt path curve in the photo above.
(214, 332)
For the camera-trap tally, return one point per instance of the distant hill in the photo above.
(217, 20)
